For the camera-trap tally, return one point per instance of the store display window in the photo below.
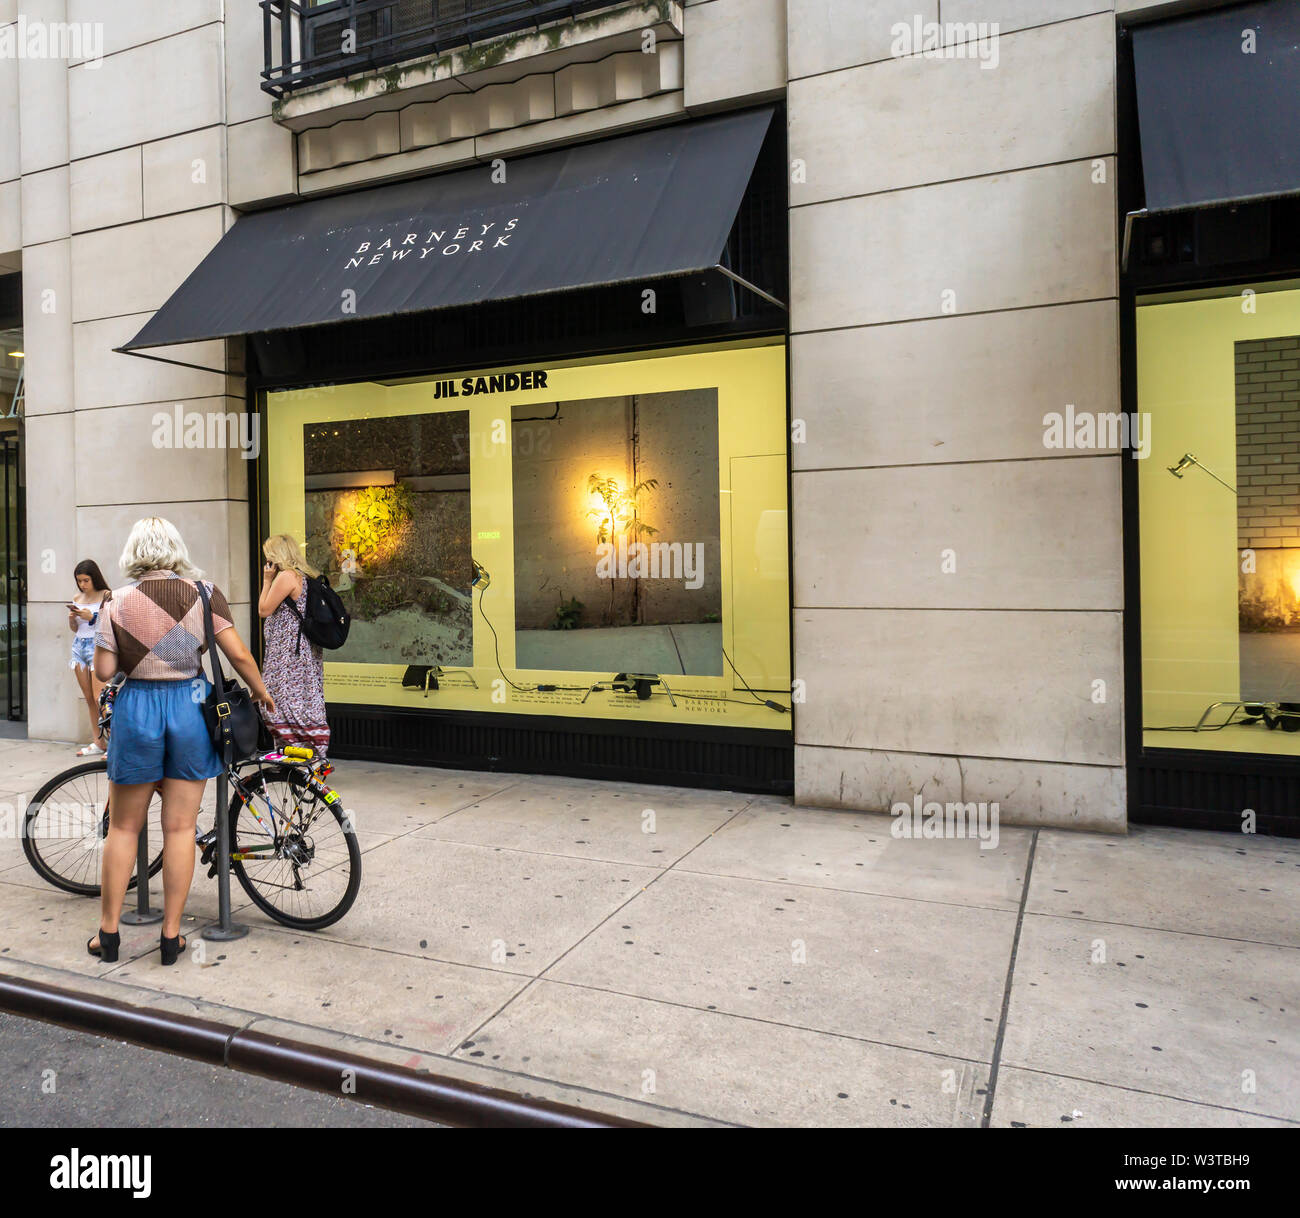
(1219, 503)
(604, 539)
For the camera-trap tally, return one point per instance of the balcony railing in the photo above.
(308, 42)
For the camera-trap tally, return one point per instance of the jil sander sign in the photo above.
(436, 242)
(502, 382)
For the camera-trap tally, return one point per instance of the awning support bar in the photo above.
(180, 363)
(744, 283)
(1128, 233)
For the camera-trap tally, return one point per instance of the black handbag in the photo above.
(232, 718)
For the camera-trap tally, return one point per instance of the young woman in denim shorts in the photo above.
(83, 610)
(153, 631)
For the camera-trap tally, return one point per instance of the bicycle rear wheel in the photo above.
(294, 851)
(65, 825)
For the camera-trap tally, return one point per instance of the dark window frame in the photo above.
(1190, 788)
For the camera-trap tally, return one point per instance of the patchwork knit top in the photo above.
(155, 626)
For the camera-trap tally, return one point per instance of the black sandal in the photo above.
(171, 948)
(108, 945)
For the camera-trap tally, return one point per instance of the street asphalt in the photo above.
(56, 1078)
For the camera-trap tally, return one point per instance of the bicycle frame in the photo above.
(314, 770)
(280, 849)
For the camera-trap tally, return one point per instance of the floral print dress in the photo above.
(295, 679)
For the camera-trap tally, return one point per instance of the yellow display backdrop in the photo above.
(1190, 557)
(749, 381)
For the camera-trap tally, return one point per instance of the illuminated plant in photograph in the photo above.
(616, 508)
(617, 511)
(371, 522)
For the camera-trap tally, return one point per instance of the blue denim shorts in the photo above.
(158, 731)
(83, 652)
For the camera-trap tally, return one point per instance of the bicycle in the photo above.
(278, 809)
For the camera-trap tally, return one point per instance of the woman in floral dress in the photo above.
(293, 668)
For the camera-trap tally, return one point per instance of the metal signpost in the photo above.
(223, 928)
(142, 914)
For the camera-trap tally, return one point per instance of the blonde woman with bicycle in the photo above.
(153, 632)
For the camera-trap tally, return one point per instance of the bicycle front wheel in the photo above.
(65, 825)
(294, 850)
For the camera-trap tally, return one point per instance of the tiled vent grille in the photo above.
(657, 754)
(1211, 791)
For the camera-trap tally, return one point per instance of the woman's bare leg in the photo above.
(85, 679)
(180, 810)
(96, 686)
(128, 804)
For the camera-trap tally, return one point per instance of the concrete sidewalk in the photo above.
(748, 962)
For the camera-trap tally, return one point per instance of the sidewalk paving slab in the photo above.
(1027, 1099)
(1159, 1011)
(481, 905)
(914, 974)
(395, 803)
(429, 1005)
(653, 827)
(767, 964)
(1235, 885)
(30, 764)
(747, 1071)
(856, 852)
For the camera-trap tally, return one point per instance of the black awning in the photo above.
(637, 207)
(1219, 121)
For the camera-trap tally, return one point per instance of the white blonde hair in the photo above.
(283, 550)
(155, 544)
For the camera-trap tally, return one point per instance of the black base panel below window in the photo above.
(665, 754)
(1196, 790)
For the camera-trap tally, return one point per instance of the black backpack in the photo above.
(326, 621)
